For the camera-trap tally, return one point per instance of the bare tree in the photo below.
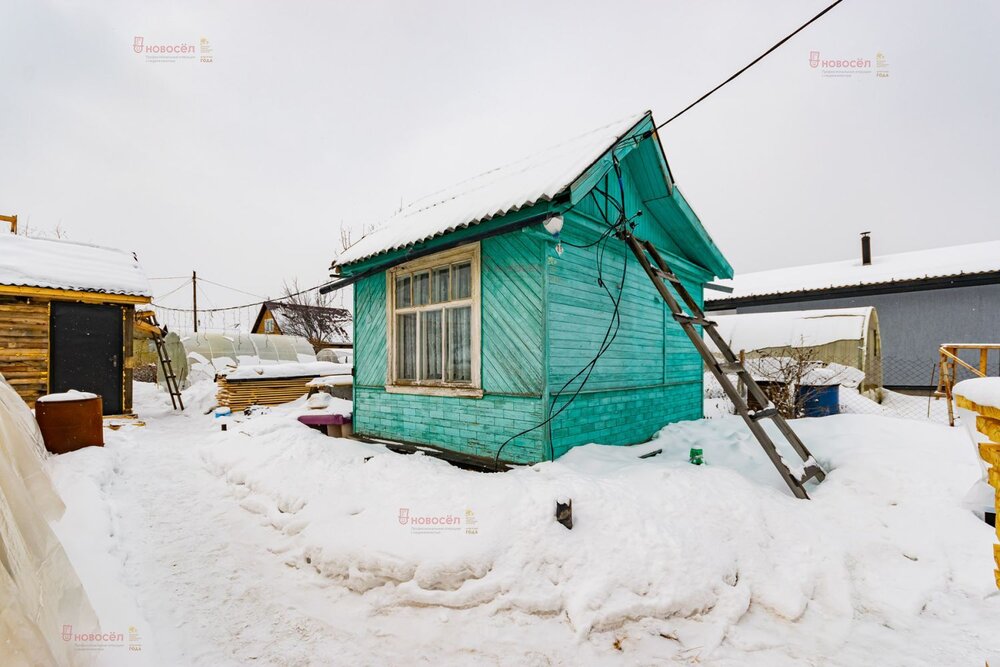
(311, 315)
(347, 237)
(57, 232)
(789, 379)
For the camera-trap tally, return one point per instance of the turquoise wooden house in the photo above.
(477, 308)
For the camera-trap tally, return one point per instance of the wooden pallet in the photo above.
(241, 394)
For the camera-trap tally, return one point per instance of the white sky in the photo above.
(316, 113)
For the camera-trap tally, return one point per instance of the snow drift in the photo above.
(706, 557)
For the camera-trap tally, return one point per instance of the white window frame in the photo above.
(470, 389)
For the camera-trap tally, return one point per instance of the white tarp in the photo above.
(40, 593)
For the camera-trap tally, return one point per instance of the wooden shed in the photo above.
(66, 318)
(502, 319)
(846, 336)
(322, 326)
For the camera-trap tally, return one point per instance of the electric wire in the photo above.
(774, 47)
(205, 280)
(176, 289)
(614, 325)
(244, 305)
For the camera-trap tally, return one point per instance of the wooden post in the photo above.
(739, 381)
(12, 219)
(194, 298)
(984, 354)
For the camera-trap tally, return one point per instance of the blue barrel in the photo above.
(819, 400)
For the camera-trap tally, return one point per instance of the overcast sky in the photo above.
(314, 114)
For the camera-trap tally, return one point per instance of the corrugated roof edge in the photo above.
(502, 212)
(84, 290)
(860, 285)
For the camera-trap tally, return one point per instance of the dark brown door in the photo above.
(86, 351)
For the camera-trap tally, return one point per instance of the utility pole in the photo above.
(194, 298)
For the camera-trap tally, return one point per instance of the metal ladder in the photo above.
(148, 323)
(730, 366)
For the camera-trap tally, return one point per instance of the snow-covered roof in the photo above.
(334, 317)
(800, 328)
(518, 185)
(885, 269)
(58, 264)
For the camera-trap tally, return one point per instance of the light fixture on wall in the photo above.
(553, 226)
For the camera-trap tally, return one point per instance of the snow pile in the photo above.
(59, 264)
(285, 370)
(71, 395)
(714, 560)
(981, 391)
(331, 381)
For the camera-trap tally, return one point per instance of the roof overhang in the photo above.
(71, 295)
(851, 291)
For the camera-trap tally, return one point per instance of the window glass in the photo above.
(403, 292)
(421, 289)
(460, 344)
(406, 351)
(440, 284)
(430, 345)
(462, 277)
(433, 342)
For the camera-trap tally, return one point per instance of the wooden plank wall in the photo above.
(24, 346)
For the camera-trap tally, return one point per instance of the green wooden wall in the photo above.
(650, 375)
(544, 317)
(513, 370)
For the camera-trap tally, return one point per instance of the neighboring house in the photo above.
(66, 318)
(476, 313)
(924, 298)
(322, 326)
(846, 336)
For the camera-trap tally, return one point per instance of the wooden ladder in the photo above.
(147, 322)
(730, 366)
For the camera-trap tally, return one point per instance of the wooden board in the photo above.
(241, 394)
(24, 346)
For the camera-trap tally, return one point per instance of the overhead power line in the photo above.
(244, 305)
(741, 71)
(235, 289)
(176, 289)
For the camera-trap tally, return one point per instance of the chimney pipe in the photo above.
(866, 249)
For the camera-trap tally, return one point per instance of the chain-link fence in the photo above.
(800, 383)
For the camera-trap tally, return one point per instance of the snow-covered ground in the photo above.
(273, 544)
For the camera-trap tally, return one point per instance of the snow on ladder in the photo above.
(730, 366)
(146, 321)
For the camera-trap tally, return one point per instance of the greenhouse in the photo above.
(197, 354)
